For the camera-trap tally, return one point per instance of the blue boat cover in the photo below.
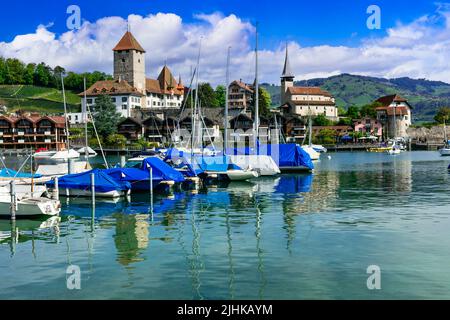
(9, 173)
(216, 163)
(103, 182)
(132, 174)
(160, 168)
(181, 161)
(285, 155)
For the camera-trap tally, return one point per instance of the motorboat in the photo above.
(313, 154)
(319, 148)
(91, 152)
(28, 206)
(394, 150)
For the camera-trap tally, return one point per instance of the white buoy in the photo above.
(329, 157)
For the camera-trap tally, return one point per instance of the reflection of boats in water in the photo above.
(294, 183)
(29, 229)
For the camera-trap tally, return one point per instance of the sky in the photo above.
(324, 37)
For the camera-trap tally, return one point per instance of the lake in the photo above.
(288, 237)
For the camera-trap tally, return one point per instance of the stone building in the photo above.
(304, 101)
(394, 113)
(240, 95)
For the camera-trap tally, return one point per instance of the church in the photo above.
(131, 89)
(304, 101)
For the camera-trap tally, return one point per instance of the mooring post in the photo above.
(122, 161)
(12, 191)
(151, 190)
(93, 189)
(55, 194)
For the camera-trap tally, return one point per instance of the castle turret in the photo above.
(287, 78)
(129, 62)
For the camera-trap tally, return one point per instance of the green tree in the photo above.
(322, 120)
(2, 70)
(442, 115)
(207, 96)
(42, 75)
(221, 95)
(327, 136)
(369, 110)
(106, 116)
(265, 101)
(353, 112)
(28, 76)
(116, 140)
(15, 70)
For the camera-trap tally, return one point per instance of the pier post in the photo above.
(151, 190)
(55, 194)
(69, 166)
(13, 199)
(122, 161)
(93, 189)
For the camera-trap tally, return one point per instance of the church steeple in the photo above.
(287, 79)
(287, 73)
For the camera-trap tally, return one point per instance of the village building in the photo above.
(131, 89)
(304, 101)
(33, 132)
(395, 113)
(240, 95)
(369, 127)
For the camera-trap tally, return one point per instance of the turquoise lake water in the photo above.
(287, 237)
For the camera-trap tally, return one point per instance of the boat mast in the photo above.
(225, 141)
(256, 124)
(65, 114)
(85, 119)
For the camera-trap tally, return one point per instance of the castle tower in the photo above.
(129, 62)
(287, 78)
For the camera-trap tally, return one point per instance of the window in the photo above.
(124, 99)
(113, 99)
(123, 60)
(154, 103)
(124, 107)
(76, 118)
(89, 101)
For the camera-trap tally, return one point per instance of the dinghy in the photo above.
(27, 206)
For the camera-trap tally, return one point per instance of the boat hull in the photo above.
(241, 175)
(295, 169)
(445, 152)
(31, 207)
(87, 193)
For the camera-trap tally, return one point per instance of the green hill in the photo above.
(425, 96)
(37, 99)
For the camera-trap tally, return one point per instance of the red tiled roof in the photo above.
(314, 91)
(399, 111)
(128, 42)
(165, 84)
(111, 87)
(388, 100)
(242, 85)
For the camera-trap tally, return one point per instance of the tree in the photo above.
(322, 120)
(327, 136)
(116, 140)
(442, 115)
(265, 101)
(353, 112)
(369, 110)
(106, 116)
(14, 71)
(207, 96)
(221, 95)
(42, 75)
(2, 70)
(28, 76)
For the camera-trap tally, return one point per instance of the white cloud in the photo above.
(420, 49)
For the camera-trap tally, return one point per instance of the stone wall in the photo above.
(432, 135)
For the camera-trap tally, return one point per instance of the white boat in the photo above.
(445, 152)
(319, 148)
(23, 190)
(262, 164)
(313, 154)
(91, 152)
(241, 175)
(29, 206)
(394, 150)
(59, 169)
(44, 154)
(65, 155)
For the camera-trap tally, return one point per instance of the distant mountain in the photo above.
(425, 96)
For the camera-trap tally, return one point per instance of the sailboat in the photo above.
(445, 151)
(395, 148)
(314, 155)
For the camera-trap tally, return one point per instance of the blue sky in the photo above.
(309, 22)
(325, 37)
